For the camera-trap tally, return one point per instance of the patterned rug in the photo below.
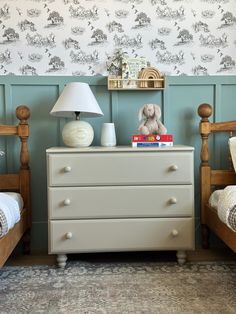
(119, 288)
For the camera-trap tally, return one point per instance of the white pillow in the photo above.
(232, 148)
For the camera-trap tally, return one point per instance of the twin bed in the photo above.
(15, 211)
(18, 188)
(218, 210)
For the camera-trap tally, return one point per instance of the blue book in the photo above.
(153, 144)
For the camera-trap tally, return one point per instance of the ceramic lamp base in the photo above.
(77, 134)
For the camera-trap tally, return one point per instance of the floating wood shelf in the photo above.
(115, 83)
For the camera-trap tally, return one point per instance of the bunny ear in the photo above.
(157, 110)
(140, 113)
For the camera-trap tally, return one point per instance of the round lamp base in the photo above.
(77, 134)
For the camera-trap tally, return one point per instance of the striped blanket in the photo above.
(10, 206)
(226, 206)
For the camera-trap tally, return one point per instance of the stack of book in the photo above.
(156, 140)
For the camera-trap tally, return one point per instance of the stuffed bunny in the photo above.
(151, 124)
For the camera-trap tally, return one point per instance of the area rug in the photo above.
(119, 288)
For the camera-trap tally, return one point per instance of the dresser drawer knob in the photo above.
(173, 200)
(67, 202)
(67, 169)
(173, 167)
(174, 232)
(68, 235)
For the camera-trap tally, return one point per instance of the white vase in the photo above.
(108, 134)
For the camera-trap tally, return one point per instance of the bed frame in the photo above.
(211, 179)
(18, 182)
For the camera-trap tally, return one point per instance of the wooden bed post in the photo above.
(204, 111)
(23, 114)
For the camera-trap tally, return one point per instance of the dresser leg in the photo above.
(61, 260)
(181, 257)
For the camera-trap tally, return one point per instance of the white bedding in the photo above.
(10, 206)
(224, 201)
(232, 149)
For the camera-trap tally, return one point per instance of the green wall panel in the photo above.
(128, 104)
(228, 101)
(103, 98)
(2, 102)
(181, 116)
(226, 111)
(183, 121)
(43, 133)
(179, 102)
(2, 120)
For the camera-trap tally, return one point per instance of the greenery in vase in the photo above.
(114, 66)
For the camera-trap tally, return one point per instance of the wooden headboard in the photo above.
(211, 178)
(19, 182)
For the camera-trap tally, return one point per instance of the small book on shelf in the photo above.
(152, 138)
(130, 70)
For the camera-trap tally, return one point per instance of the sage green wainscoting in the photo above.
(179, 102)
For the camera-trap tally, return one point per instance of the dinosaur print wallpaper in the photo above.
(80, 37)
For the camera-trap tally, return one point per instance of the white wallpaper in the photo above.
(78, 37)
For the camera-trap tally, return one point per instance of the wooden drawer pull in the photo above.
(69, 235)
(67, 202)
(67, 169)
(173, 167)
(173, 200)
(174, 232)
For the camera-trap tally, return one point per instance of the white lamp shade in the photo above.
(76, 97)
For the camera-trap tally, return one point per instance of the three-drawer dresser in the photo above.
(120, 199)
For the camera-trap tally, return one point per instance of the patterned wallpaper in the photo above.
(79, 37)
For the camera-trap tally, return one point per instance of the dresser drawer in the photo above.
(120, 235)
(120, 201)
(120, 168)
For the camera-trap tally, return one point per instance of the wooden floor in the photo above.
(198, 255)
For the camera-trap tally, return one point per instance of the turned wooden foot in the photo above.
(181, 257)
(61, 260)
(205, 237)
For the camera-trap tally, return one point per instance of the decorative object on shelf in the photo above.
(108, 134)
(115, 82)
(114, 66)
(132, 66)
(150, 115)
(130, 70)
(150, 78)
(77, 100)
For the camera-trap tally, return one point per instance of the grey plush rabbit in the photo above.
(150, 115)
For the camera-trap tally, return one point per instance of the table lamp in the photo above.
(78, 101)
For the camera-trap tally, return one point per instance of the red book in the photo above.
(152, 138)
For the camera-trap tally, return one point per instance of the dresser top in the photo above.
(92, 149)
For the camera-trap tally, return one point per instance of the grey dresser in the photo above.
(120, 199)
